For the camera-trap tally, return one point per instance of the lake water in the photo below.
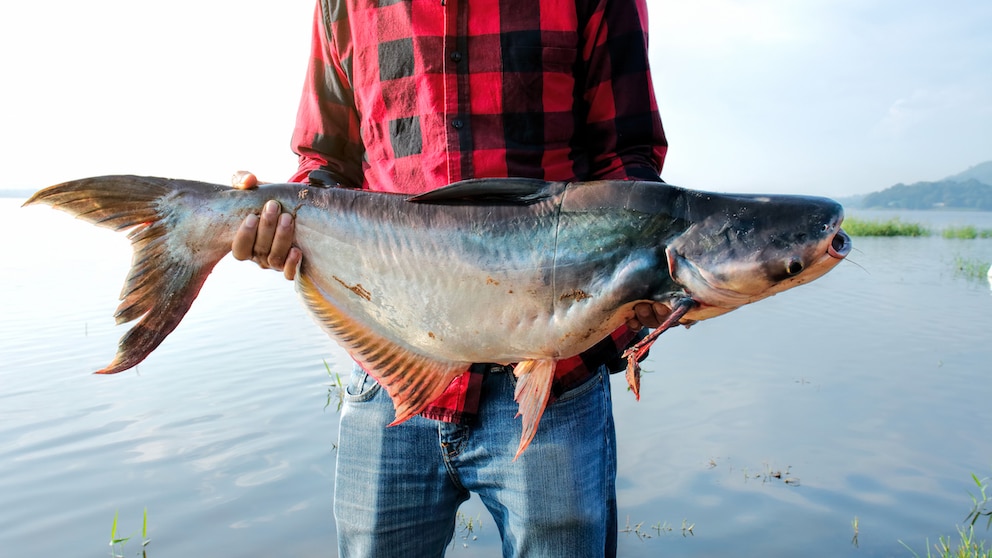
(865, 395)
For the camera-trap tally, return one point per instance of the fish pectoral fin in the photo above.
(411, 379)
(482, 191)
(534, 378)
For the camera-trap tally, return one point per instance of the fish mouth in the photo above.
(840, 245)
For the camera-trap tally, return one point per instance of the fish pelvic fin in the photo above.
(411, 379)
(534, 378)
(166, 273)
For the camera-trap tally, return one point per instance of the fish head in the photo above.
(740, 249)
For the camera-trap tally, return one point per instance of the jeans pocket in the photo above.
(581, 389)
(361, 386)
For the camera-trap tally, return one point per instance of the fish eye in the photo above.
(794, 267)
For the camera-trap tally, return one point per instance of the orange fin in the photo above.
(534, 379)
(412, 380)
(633, 376)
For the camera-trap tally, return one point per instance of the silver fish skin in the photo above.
(416, 289)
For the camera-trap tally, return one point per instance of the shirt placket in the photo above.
(457, 130)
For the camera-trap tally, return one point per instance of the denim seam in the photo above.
(447, 457)
(609, 485)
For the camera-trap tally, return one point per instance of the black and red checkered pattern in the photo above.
(410, 95)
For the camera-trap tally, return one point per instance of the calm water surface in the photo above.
(868, 391)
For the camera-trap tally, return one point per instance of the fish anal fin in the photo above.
(534, 378)
(411, 379)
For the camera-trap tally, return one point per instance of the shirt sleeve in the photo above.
(326, 135)
(623, 129)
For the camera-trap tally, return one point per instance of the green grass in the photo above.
(968, 546)
(971, 269)
(967, 232)
(895, 227)
(981, 505)
(117, 541)
(336, 389)
(891, 227)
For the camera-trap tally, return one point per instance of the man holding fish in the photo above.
(409, 97)
(435, 289)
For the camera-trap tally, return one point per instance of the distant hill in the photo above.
(945, 194)
(971, 189)
(981, 172)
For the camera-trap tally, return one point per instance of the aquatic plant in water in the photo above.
(969, 546)
(892, 227)
(981, 504)
(117, 541)
(971, 269)
(967, 232)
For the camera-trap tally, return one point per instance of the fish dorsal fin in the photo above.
(412, 380)
(491, 191)
(534, 378)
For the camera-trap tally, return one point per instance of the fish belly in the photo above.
(457, 292)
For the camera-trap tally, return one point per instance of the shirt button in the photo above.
(456, 56)
(457, 124)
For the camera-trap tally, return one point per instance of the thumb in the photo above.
(244, 180)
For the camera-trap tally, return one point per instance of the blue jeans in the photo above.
(398, 488)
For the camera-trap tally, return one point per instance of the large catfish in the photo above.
(494, 270)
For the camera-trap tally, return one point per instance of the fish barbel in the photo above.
(416, 289)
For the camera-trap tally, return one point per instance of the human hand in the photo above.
(266, 239)
(648, 314)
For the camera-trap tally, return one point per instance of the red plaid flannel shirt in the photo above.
(411, 95)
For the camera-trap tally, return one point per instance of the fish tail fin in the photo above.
(534, 378)
(167, 269)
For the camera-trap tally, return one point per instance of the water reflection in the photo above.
(869, 388)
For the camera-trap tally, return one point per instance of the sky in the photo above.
(827, 97)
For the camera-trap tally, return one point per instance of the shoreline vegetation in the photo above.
(895, 227)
